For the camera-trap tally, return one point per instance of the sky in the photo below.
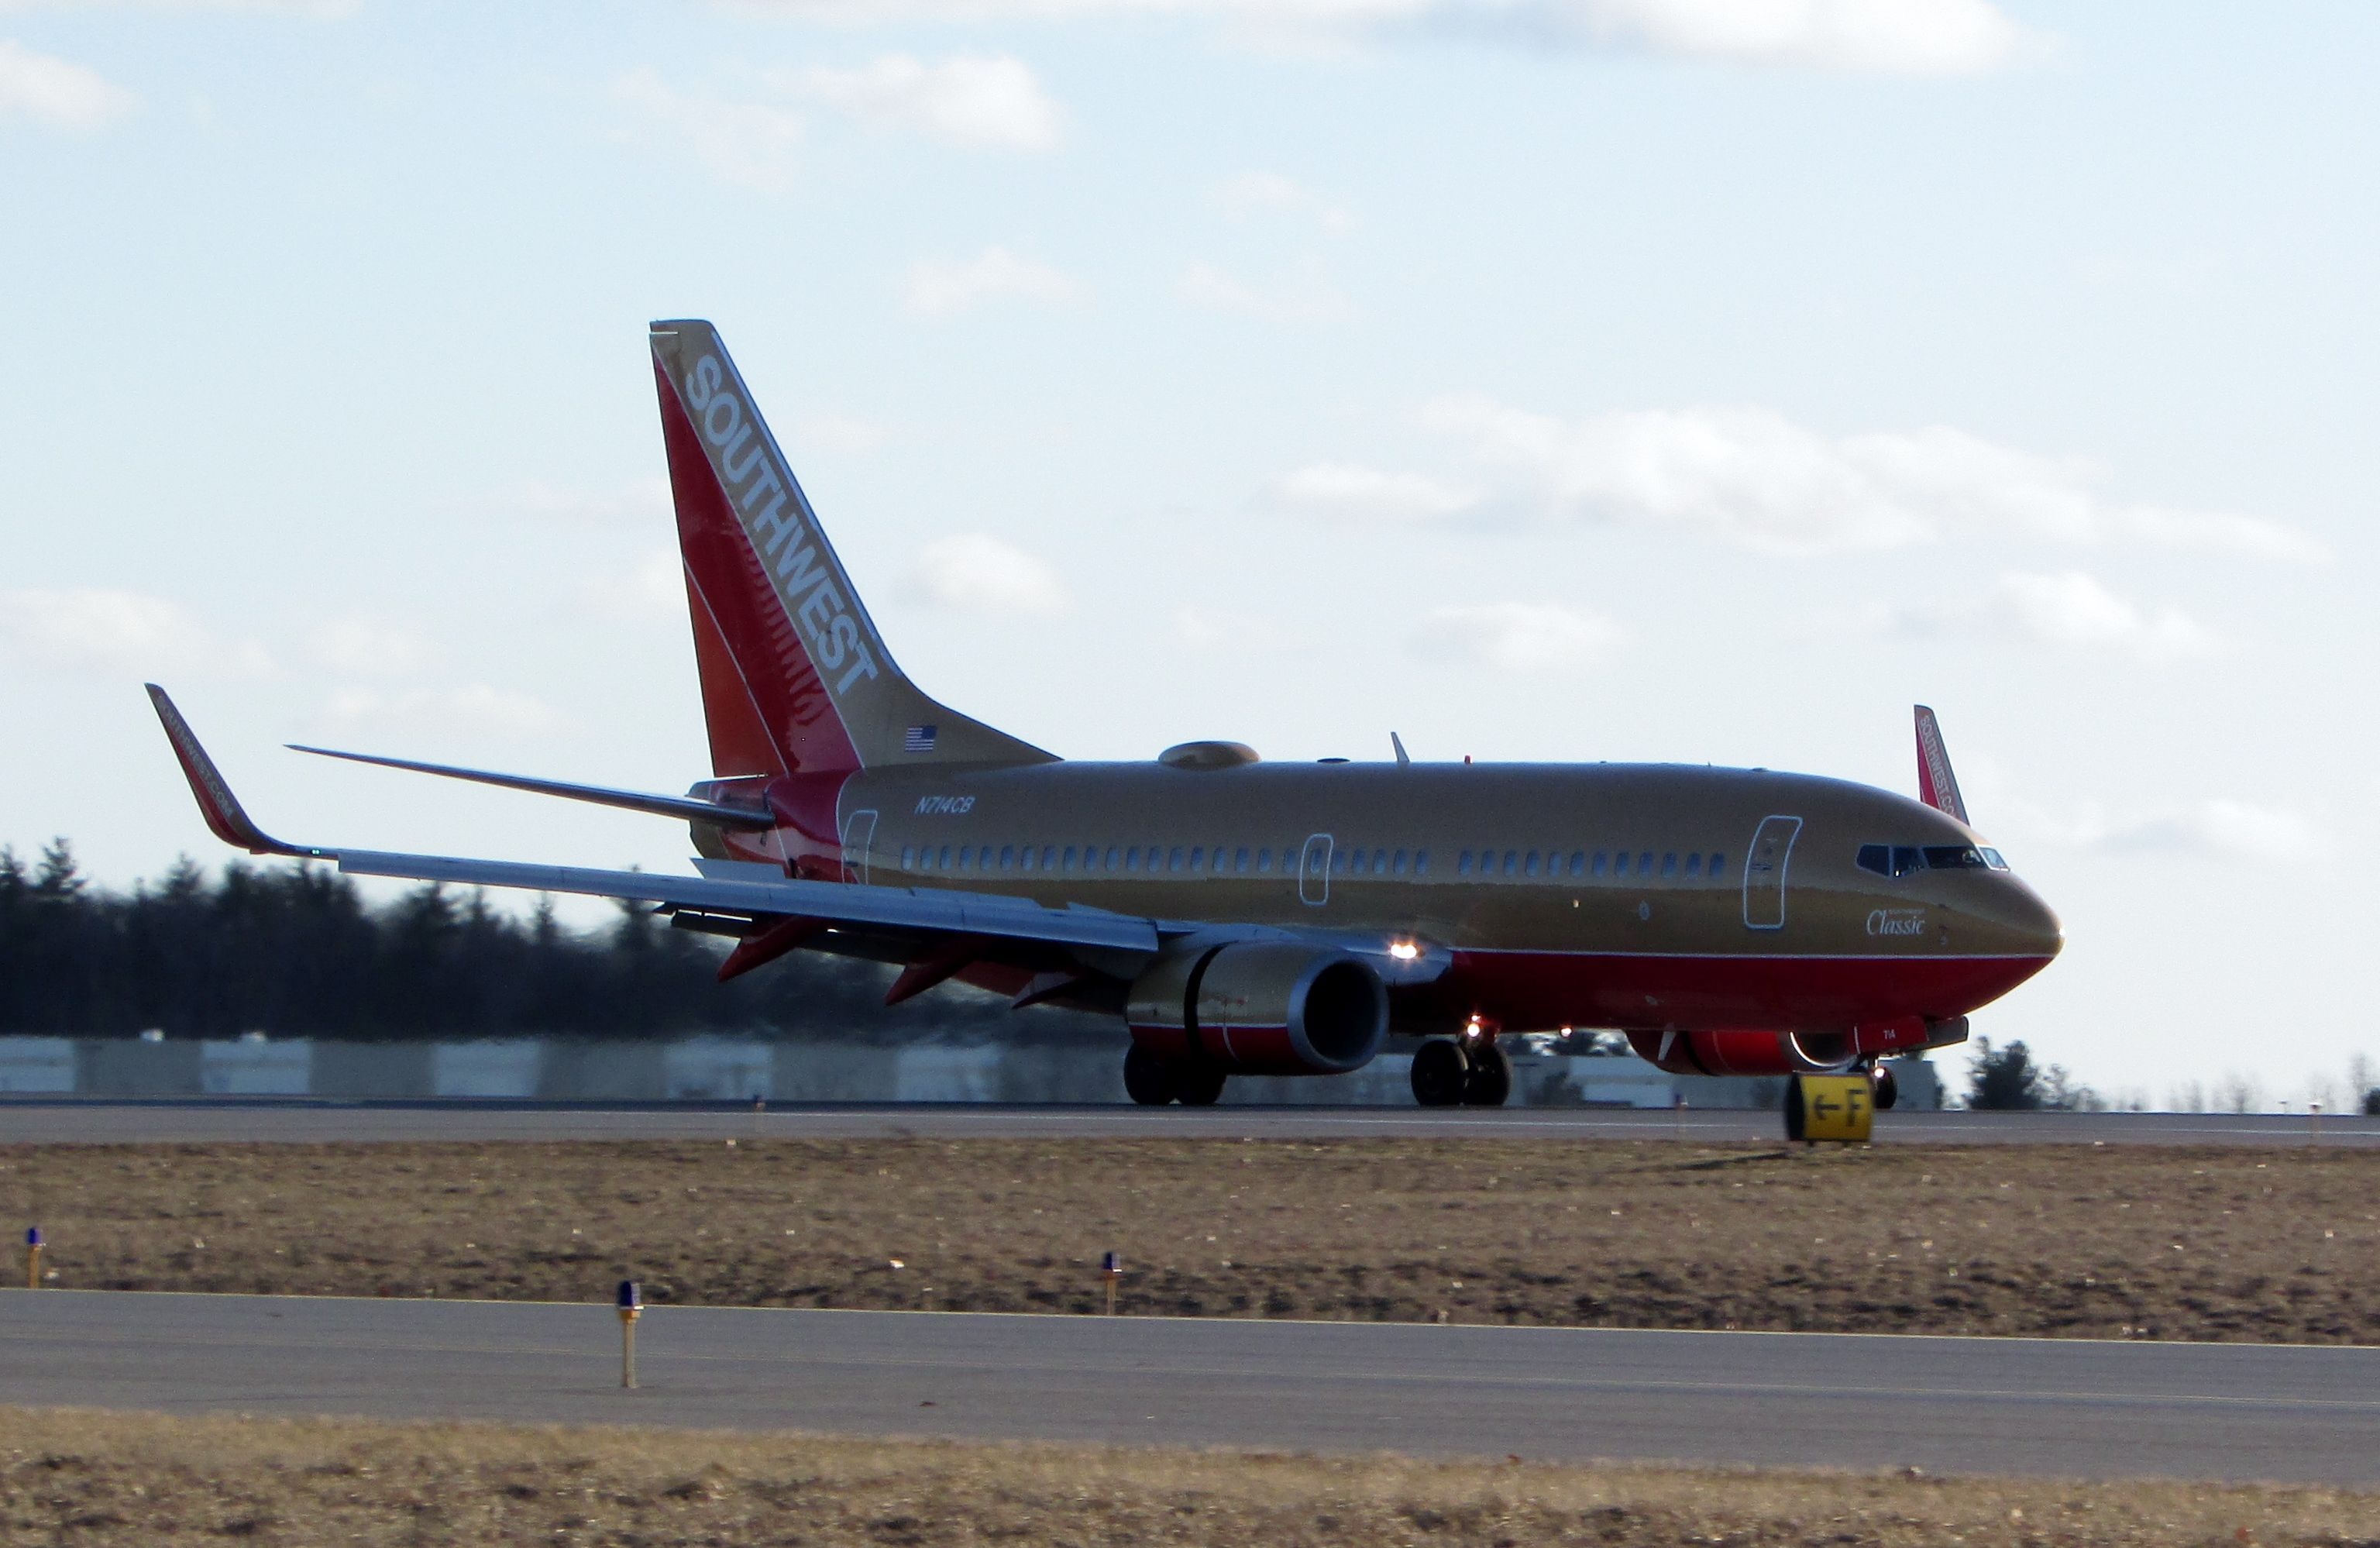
(1676, 380)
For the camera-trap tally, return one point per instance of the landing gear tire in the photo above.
(1440, 1073)
(1888, 1089)
(1490, 1080)
(1198, 1085)
(1148, 1079)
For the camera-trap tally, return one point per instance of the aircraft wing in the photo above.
(931, 911)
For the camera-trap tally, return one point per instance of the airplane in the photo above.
(1240, 916)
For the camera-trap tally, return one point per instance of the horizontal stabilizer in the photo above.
(687, 807)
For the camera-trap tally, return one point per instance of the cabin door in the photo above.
(858, 833)
(1764, 873)
(1313, 871)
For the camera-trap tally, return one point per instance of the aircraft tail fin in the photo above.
(794, 675)
(1936, 785)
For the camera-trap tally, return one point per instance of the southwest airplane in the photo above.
(1240, 916)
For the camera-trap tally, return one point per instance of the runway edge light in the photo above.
(632, 1306)
(1112, 1270)
(32, 1257)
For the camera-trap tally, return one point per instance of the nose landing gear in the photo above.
(1888, 1089)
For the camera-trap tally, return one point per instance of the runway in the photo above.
(1947, 1405)
(56, 1120)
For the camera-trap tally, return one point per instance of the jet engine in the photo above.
(1260, 1007)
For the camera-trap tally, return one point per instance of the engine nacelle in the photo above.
(1805, 1053)
(1261, 1007)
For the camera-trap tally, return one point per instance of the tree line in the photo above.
(297, 951)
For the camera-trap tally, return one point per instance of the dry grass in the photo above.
(100, 1481)
(2213, 1244)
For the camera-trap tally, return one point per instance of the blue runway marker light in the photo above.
(33, 1236)
(632, 1295)
(1112, 1270)
(32, 1257)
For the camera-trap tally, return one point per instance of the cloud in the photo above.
(640, 500)
(1226, 632)
(1750, 476)
(979, 571)
(1251, 194)
(654, 588)
(50, 91)
(1892, 37)
(1303, 296)
(356, 645)
(938, 288)
(840, 432)
(126, 633)
(2073, 608)
(1884, 37)
(752, 144)
(1343, 492)
(2232, 829)
(473, 710)
(2069, 609)
(992, 102)
(1519, 635)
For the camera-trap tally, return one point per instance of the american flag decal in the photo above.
(917, 738)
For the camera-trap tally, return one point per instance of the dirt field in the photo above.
(101, 1480)
(2281, 1244)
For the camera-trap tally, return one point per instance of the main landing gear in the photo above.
(1888, 1089)
(1467, 1071)
(1153, 1082)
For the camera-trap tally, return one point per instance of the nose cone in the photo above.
(2015, 911)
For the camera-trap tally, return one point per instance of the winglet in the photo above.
(1936, 785)
(216, 803)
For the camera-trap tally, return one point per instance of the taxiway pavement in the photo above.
(2230, 1411)
(200, 1119)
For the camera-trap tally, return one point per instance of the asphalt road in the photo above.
(2063, 1408)
(56, 1120)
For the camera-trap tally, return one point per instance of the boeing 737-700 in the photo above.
(1240, 916)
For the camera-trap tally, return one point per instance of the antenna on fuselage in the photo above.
(1399, 743)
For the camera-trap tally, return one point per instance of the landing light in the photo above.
(1403, 951)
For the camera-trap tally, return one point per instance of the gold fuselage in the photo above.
(1737, 920)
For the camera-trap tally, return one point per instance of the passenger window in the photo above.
(908, 858)
(1264, 862)
(1644, 863)
(1397, 864)
(963, 856)
(1463, 864)
(942, 862)
(1240, 861)
(1132, 858)
(1025, 860)
(1670, 863)
(1619, 863)
(1066, 860)
(1578, 862)
(1512, 860)
(1717, 867)
(1693, 865)
(1049, 856)
(1173, 858)
(1530, 866)
(1596, 870)
(1198, 857)
(1007, 855)
(1355, 862)
(1421, 862)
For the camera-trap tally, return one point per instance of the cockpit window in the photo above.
(1899, 860)
(1954, 857)
(1992, 859)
